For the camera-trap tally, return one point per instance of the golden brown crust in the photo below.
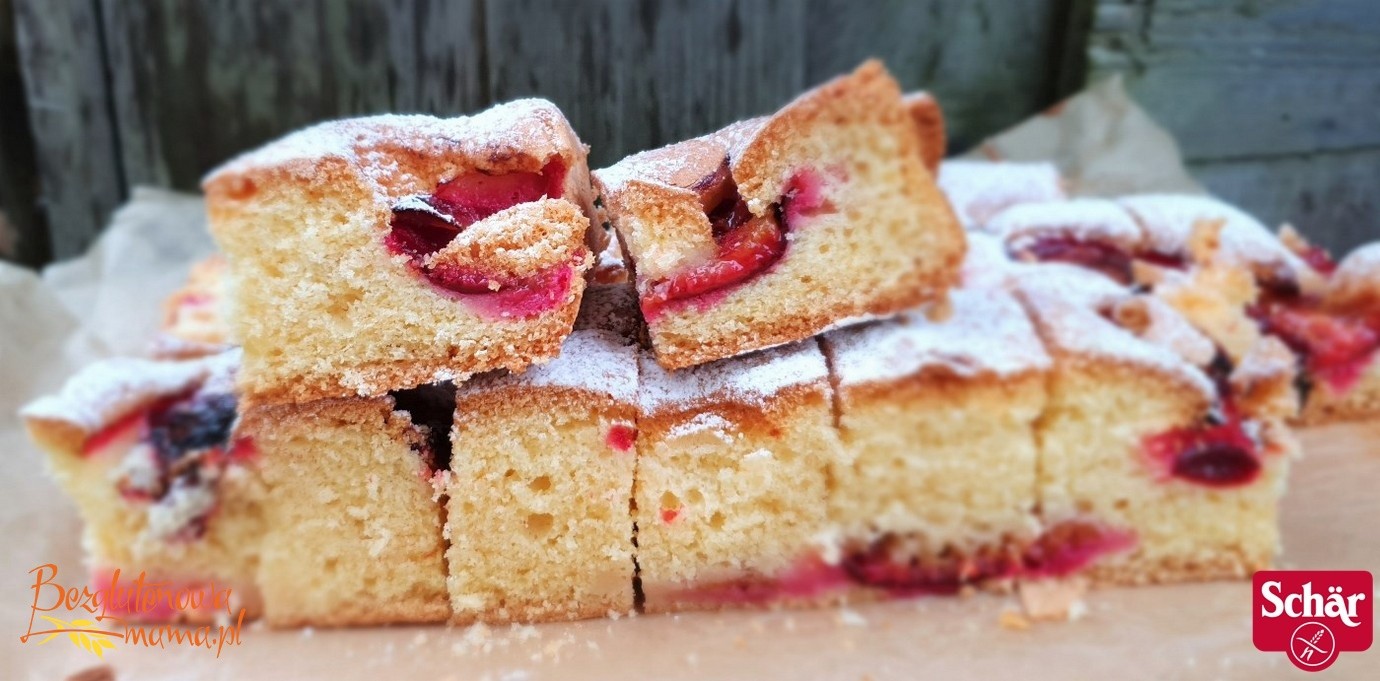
(761, 417)
(1231, 564)
(57, 438)
(674, 354)
(671, 598)
(929, 122)
(260, 418)
(491, 403)
(521, 136)
(940, 385)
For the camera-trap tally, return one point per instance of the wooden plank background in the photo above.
(1276, 102)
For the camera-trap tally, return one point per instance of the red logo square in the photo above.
(1312, 615)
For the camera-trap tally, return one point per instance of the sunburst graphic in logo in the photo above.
(84, 634)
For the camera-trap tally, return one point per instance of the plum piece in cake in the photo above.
(731, 487)
(937, 422)
(145, 449)
(979, 190)
(1143, 438)
(1095, 233)
(775, 229)
(542, 480)
(929, 122)
(353, 516)
(387, 252)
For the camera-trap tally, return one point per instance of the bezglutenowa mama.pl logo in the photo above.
(136, 612)
(1312, 615)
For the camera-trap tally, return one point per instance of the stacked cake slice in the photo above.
(776, 229)
(381, 253)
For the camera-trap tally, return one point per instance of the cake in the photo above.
(193, 321)
(979, 190)
(164, 489)
(929, 122)
(1336, 335)
(778, 228)
(937, 488)
(731, 486)
(1143, 446)
(352, 511)
(387, 252)
(539, 517)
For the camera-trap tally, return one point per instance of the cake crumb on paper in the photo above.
(851, 618)
(1013, 620)
(1054, 599)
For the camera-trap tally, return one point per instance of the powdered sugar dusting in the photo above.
(707, 422)
(591, 359)
(1068, 304)
(1358, 272)
(533, 126)
(1097, 220)
(750, 379)
(987, 334)
(979, 190)
(102, 393)
(1169, 220)
(986, 264)
(677, 166)
(681, 164)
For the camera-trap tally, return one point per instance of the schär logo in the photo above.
(1312, 616)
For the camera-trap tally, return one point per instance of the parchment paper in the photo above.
(107, 302)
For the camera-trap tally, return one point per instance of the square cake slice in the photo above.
(539, 515)
(1151, 467)
(731, 486)
(388, 252)
(146, 450)
(937, 420)
(778, 228)
(1338, 339)
(352, 511)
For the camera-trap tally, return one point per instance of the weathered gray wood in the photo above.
(991, 63)
(23, 234)
(636, 75)
(69, 113)
(1239, 79)
(196, 82)
(1330, 197)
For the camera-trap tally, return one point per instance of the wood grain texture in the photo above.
(69, 114)
(23, 233)
(991, 63)
(1331, 197)
(197, 82)
(631, 76)
(1275, 104)
(1248, 77)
